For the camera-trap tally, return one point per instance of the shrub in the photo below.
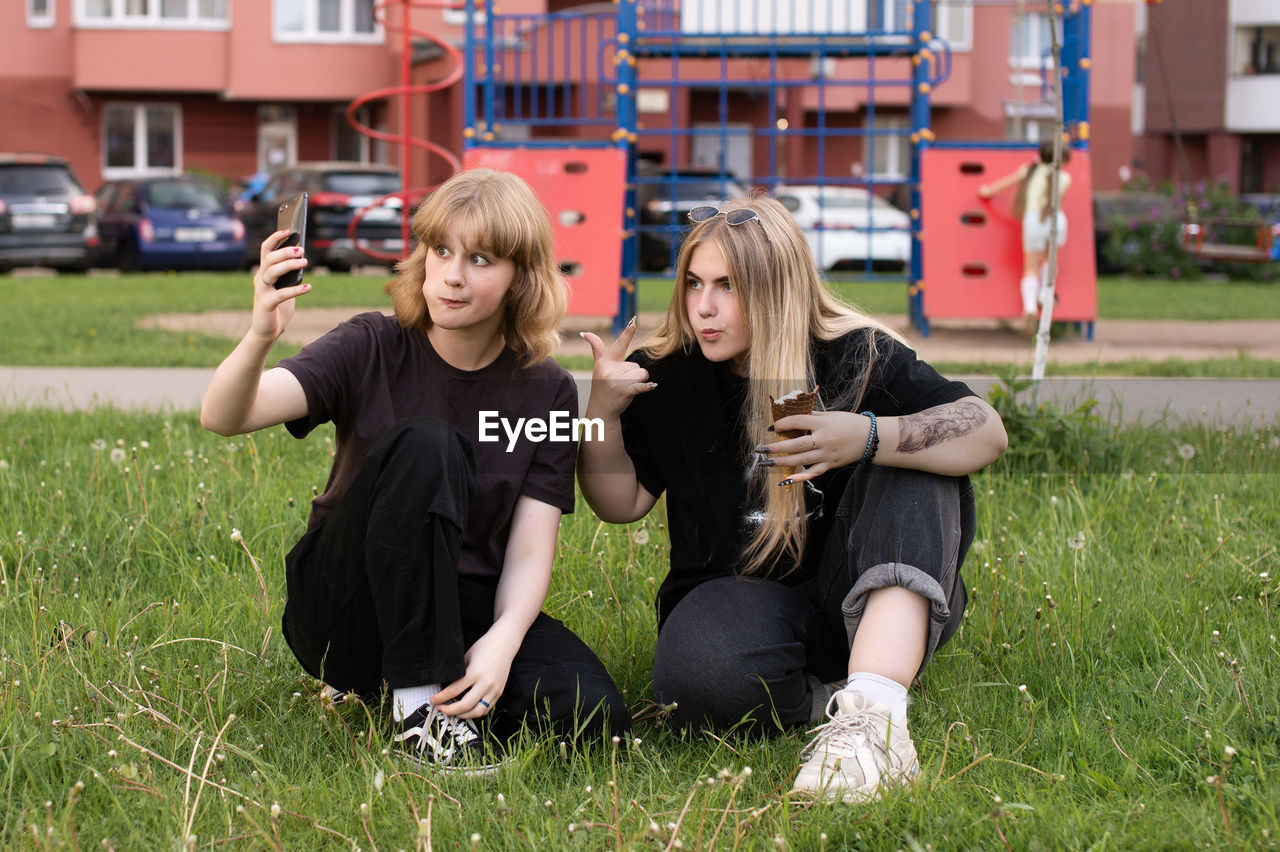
(1151, 243)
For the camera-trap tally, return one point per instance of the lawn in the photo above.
(1115, 684)
(93, 320)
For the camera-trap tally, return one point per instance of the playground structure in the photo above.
(571, 100)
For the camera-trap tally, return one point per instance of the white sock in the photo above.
(405, 701)
(881, 690)
(1030, 287)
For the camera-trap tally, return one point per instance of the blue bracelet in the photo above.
(873, 440)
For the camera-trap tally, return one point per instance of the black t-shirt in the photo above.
(686, 438)
(369, 373)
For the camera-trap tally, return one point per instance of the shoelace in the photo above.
(843, 732)
(442, 733)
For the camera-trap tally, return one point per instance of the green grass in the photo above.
(1129, 591)
(93, 321)
(86, 321)
(1119, 297)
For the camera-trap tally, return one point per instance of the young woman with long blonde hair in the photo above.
(832, 556)
(427, 559)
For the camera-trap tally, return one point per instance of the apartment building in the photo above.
(1209, 93)
(234, 87)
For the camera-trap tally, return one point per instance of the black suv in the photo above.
(663, 202)
(336, 192)
(46, 218)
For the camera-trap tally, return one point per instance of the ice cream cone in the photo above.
(796, 402)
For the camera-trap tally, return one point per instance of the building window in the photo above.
(326, 21)
(887, 149)
(952, 20)
(1257, 51)
(1030, 42)
(161, 14)
(141, 139)
(40, 14)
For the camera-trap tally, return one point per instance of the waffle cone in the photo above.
(801, 403)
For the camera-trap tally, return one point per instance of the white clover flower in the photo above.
(1186, 452)
(117, 455)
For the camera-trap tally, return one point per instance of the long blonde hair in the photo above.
(499, 213)
(785, 306)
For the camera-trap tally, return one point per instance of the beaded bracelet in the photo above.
(873, 439)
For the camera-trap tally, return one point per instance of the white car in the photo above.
(846, 226)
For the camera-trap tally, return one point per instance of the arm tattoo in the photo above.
(921, 431)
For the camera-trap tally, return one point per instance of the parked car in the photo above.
(664, 199)
(336, 192)
(173, 222)
(847, 226)
(1113, 208)
(46, 218)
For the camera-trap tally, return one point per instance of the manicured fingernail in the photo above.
(583, 335)
(764, 449)
(769, 428)
(784, 483)
(768, 462)
(297, 250)
(633, 320)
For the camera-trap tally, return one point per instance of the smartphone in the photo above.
(292, 217)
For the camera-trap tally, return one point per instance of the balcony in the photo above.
(1253, 104)
(142, 60)
(1254, 12)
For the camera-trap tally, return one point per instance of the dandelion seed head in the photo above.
(1076, 542)
(236, 536)
(1186, 452)
(117, 455)
(640, 536)
(99, 445)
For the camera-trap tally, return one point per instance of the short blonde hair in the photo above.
(499, 213)
(786, 306)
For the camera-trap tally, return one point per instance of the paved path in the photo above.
(1237, 401)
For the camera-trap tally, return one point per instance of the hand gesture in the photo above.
(615, 381)
(272, 308)
(488, 667)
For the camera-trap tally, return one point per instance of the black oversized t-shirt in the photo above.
(369, 373)
(685, 437)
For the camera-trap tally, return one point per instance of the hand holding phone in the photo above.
(292, 217)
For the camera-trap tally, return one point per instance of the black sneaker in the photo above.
(443, 743)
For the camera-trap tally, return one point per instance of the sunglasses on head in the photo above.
(737, 216)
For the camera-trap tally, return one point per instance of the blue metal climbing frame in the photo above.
(694, 90)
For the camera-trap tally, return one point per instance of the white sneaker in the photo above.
(856, 752)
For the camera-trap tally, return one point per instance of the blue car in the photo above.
(174, 222)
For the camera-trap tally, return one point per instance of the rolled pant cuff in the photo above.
(912, 579)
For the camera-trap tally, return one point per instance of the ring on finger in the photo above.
(814, 445)
(485, 703)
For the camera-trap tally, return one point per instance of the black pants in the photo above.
(742, 649)
(375, 601)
